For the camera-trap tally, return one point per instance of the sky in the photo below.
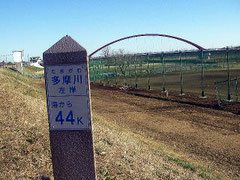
(35, 25)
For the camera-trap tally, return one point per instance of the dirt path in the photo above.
(206, 135)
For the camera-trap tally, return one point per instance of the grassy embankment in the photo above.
(120, 154)
(33, 70)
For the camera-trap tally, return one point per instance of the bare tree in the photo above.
(106, 52)
(120, 60)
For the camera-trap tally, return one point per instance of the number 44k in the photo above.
(69, 118)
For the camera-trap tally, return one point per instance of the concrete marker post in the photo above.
(69, 110)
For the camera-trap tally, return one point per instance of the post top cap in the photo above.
(65, 51)
(65, 45)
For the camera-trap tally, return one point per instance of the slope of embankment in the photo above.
(120, 152)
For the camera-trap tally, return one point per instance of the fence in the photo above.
(227, 91)
(193, 72)
(32, 75)
(21, 70)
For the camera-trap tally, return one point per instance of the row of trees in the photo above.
(117, 58)
(4, 63)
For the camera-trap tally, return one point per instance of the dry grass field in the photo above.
(134, 137)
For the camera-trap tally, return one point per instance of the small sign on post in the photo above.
(69, 110)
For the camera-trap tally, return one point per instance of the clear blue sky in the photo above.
(35, 25)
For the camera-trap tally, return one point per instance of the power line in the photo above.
(5, 55)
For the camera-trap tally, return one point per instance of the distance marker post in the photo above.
(69, 110)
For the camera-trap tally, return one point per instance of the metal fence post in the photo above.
(135, 64)
(236, 89)
(153, 66)
(102, 74)
(148, 71)
(128, 74)
(228, 74)
(181, 75)
(99, 72)
(141, 72)
(202, 76)
(116, 75)
(69, 110)
(94, 72)
(163, 74)
(108, 69)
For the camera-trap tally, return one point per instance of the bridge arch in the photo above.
(140, 35)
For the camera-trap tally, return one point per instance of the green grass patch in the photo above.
(182, 163)
(107, 175)
(32, 70)
(201, 171)
(204, 175)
